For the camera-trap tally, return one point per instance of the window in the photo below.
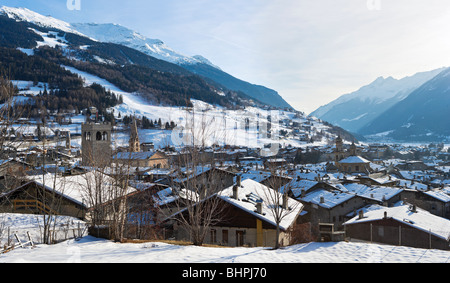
(381, 231)
(213, 236)
(225, 237)
(98, 136)
(240, 238)
(105, 136)
(87, 136)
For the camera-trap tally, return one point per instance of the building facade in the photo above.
(96, 147)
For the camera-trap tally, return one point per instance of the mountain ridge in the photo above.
(355, 110)
(196, 64)
(422, 116)
(156, 48)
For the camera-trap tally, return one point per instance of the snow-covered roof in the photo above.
(386, 179)
(165, 196)
(4, 161)
(251, 192)
(412, 185)
(421, 219)
(354, 159)
(439, 195)
(76, 188)
(142, 155)
(296, 186)
(327, 199)
(256, 175)
(379, 193)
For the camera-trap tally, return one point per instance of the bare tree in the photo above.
(50, 196)
(282, 206)
(105, 189)
(11, 110)
(197, 182)
(143, 214)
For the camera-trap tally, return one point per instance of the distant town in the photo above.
(114, 146)
(227, 195)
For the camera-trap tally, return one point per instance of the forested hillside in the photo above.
(158, 81)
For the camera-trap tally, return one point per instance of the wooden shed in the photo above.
(405, 225)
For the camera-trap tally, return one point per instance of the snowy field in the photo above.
(94, 250)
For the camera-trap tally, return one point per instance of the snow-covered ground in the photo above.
(20, 224)
(93, 250)
(213, 124)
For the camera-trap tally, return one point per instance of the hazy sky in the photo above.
(310, 51)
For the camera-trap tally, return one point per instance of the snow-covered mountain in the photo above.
(422, 116)
(355, 110)
(116, 33)
(197, 64)
(237, 118)
(26, 15)
(113, 33)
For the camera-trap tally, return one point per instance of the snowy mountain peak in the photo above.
(203, 60)
(116, 33)
(351, 111)
(26, 15)
(112, 32)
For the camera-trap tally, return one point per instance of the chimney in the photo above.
(303, 193)
(361, 214)
(235, 191)
(259, 207)
(285, 202)
(385, 214)
(203, 191)
(238, 180)
(322, 199)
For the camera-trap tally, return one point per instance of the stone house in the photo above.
(246, 217)
(327, 206)
(142, 159)
(204, 176)
(354, 165)
(434, 201)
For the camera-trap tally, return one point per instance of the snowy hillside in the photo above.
(212, 124)
(26, 15)
(114, 44)
(115, 33)
(196, 64)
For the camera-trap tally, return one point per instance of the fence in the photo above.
(65, 233)
(11, 246)
(34, 236)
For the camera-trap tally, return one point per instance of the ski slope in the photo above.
(204, 124)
